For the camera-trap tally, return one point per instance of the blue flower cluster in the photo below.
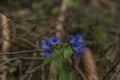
(46, 43)
(77, 44)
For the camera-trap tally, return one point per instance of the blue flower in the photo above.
(77, 44)
(81, 49)
(71, 38)
(54, 40)
(79, 38)
(45, 44)
(47, 53)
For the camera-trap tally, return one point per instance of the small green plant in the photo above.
(13, 70)
(52, 51)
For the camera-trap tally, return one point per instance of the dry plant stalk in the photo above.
(5, 43)
(60, 29)
(90, 68)
(61, 18)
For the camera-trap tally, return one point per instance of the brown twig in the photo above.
(18, 38)
(21, 52)
(28, 33)
(80, 72)
(112, 69)
(22, 58)
(31, 71)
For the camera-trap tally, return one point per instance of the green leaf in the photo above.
(59, 64)
(65, 75)
(56, 53)
(55, 11)
(73, 4)
(46, 61)
(67, 52)
(13, 69)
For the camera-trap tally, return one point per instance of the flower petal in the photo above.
(71, 38)
(45, 44)
(54, 40)
(79, 38)
(47, 53)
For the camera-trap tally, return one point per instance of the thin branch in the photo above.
(22, 58)
(30, 72)
(112, 69)
(80, 72)
(21, 52)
